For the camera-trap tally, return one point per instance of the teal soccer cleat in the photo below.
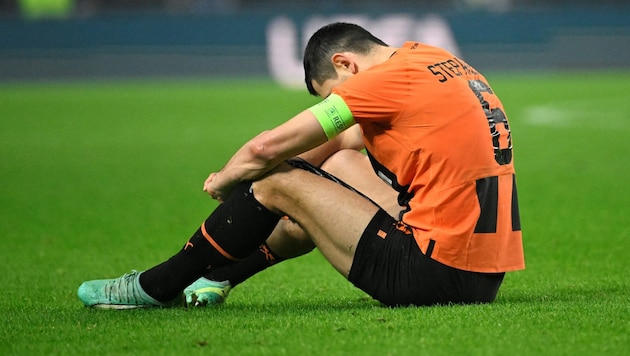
(204, 292)
(123, 292)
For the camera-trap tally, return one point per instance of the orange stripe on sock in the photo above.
(215, 244)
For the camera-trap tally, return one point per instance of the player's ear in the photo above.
(345, 61)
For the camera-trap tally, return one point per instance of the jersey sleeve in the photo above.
(378, 94)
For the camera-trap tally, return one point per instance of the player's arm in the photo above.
(265, 151)
(305, 131)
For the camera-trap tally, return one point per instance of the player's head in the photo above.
(334, 38)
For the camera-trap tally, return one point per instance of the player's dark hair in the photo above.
(334, 38)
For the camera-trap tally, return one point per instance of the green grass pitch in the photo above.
(100, 178)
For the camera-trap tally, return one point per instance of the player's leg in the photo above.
(333, 215)
(233, 230)
(288, 240)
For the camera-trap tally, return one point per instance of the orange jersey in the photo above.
(435, 130)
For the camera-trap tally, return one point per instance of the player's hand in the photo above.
(210, 187)
(218, 187)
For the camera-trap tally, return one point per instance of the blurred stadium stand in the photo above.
(86, 39)
(100, 7)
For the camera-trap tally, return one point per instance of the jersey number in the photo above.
(498, 123)
(488, 188)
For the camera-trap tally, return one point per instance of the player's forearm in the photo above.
(244, 165)
(266, 151)
(250, 162)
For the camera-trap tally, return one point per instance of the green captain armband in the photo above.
(333, 114)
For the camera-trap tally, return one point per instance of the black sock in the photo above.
(236, 273)
(236, 228)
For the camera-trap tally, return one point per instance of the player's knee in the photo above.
(338, 162)
(267, 190)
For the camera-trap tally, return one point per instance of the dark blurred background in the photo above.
(100, 7)
(87, 39)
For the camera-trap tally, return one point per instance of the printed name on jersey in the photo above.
(451, 68)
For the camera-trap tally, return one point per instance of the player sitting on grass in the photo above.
(434, 130)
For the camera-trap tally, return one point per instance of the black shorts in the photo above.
(389, 266)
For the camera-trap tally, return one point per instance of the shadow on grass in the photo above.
(611, 293)
(565, 293)
(300, 304)
(291, 306)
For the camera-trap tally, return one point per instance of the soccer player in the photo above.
(434, 130)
